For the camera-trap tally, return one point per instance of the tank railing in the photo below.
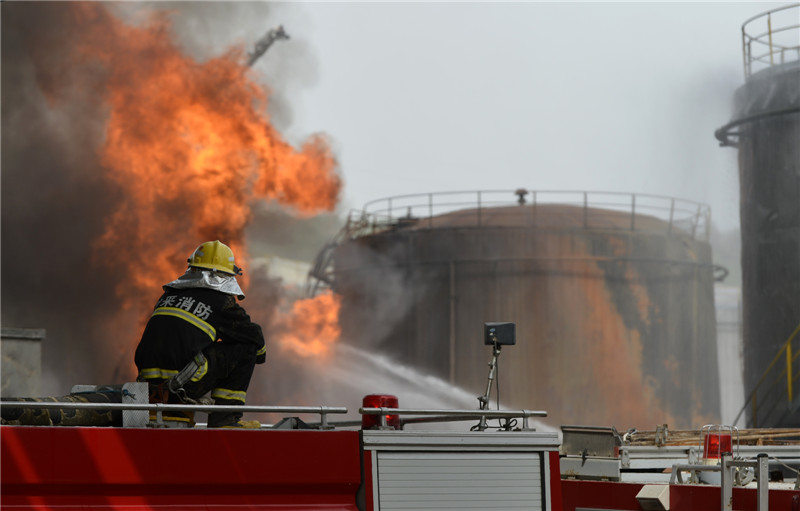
(451, 415)
(679, 215)
(322, 411)
(777, 386)
(771, 50)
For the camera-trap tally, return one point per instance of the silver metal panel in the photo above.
(21, 365)
(645, 477)
(590, 468)
(590, 441)
(135, 392)
(652, 457)
(80, 389)
(459, 480)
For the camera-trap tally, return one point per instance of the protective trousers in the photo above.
(230, 366)
(226, 375)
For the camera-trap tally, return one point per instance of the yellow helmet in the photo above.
(214, 255)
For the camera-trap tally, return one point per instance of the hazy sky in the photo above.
(421, 97)
(426, 97)
(414, 98)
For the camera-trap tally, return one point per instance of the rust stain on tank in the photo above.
(611, 353)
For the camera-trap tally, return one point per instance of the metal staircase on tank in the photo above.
(358, 223)
(775, 400)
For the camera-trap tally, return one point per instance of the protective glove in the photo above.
(261, 356)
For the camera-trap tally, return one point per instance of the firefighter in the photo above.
(200, 340)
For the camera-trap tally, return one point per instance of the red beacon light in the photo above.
(717, 439)
(379, 401)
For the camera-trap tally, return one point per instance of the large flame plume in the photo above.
(191, 146)
(312, 327)
(183, 152)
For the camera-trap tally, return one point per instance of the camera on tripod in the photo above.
(499, 333)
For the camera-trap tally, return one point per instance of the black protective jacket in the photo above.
(185, 321)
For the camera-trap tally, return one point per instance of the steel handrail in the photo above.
(760, 468)
(440, 415)
(388, 211)
(322, 411)
(724, 132)
(766, 39)
(752, 401)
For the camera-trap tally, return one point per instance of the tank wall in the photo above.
(769, 172)
(607, 332)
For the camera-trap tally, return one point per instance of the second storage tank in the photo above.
(765, 127)
(612, 296)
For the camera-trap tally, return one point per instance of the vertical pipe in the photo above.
(744, 54)
(496, 292)
(762, 482)
(726, 483)
(671, 216)
(452, 322)
(585, 210)
(479, 209)
(411, 326)
(695, 319)
(696, 221)
(789, 371)
(430, 210)
(769, 30)
(529, 217)
(633, 212)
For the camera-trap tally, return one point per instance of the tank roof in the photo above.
(540, 216)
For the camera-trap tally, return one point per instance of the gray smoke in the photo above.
(56, 194)
(54, 199)
(204, 29)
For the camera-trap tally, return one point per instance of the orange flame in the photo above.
(312, 327)
(190, 147)
(187, 151)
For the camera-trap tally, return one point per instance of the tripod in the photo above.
(484, 399)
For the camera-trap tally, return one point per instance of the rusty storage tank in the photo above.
(612, 296)
(766, 129)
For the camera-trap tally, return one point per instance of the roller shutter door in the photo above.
(469, 480)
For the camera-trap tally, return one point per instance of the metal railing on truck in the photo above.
(430, 416)
(423, 415)
(159, 408)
